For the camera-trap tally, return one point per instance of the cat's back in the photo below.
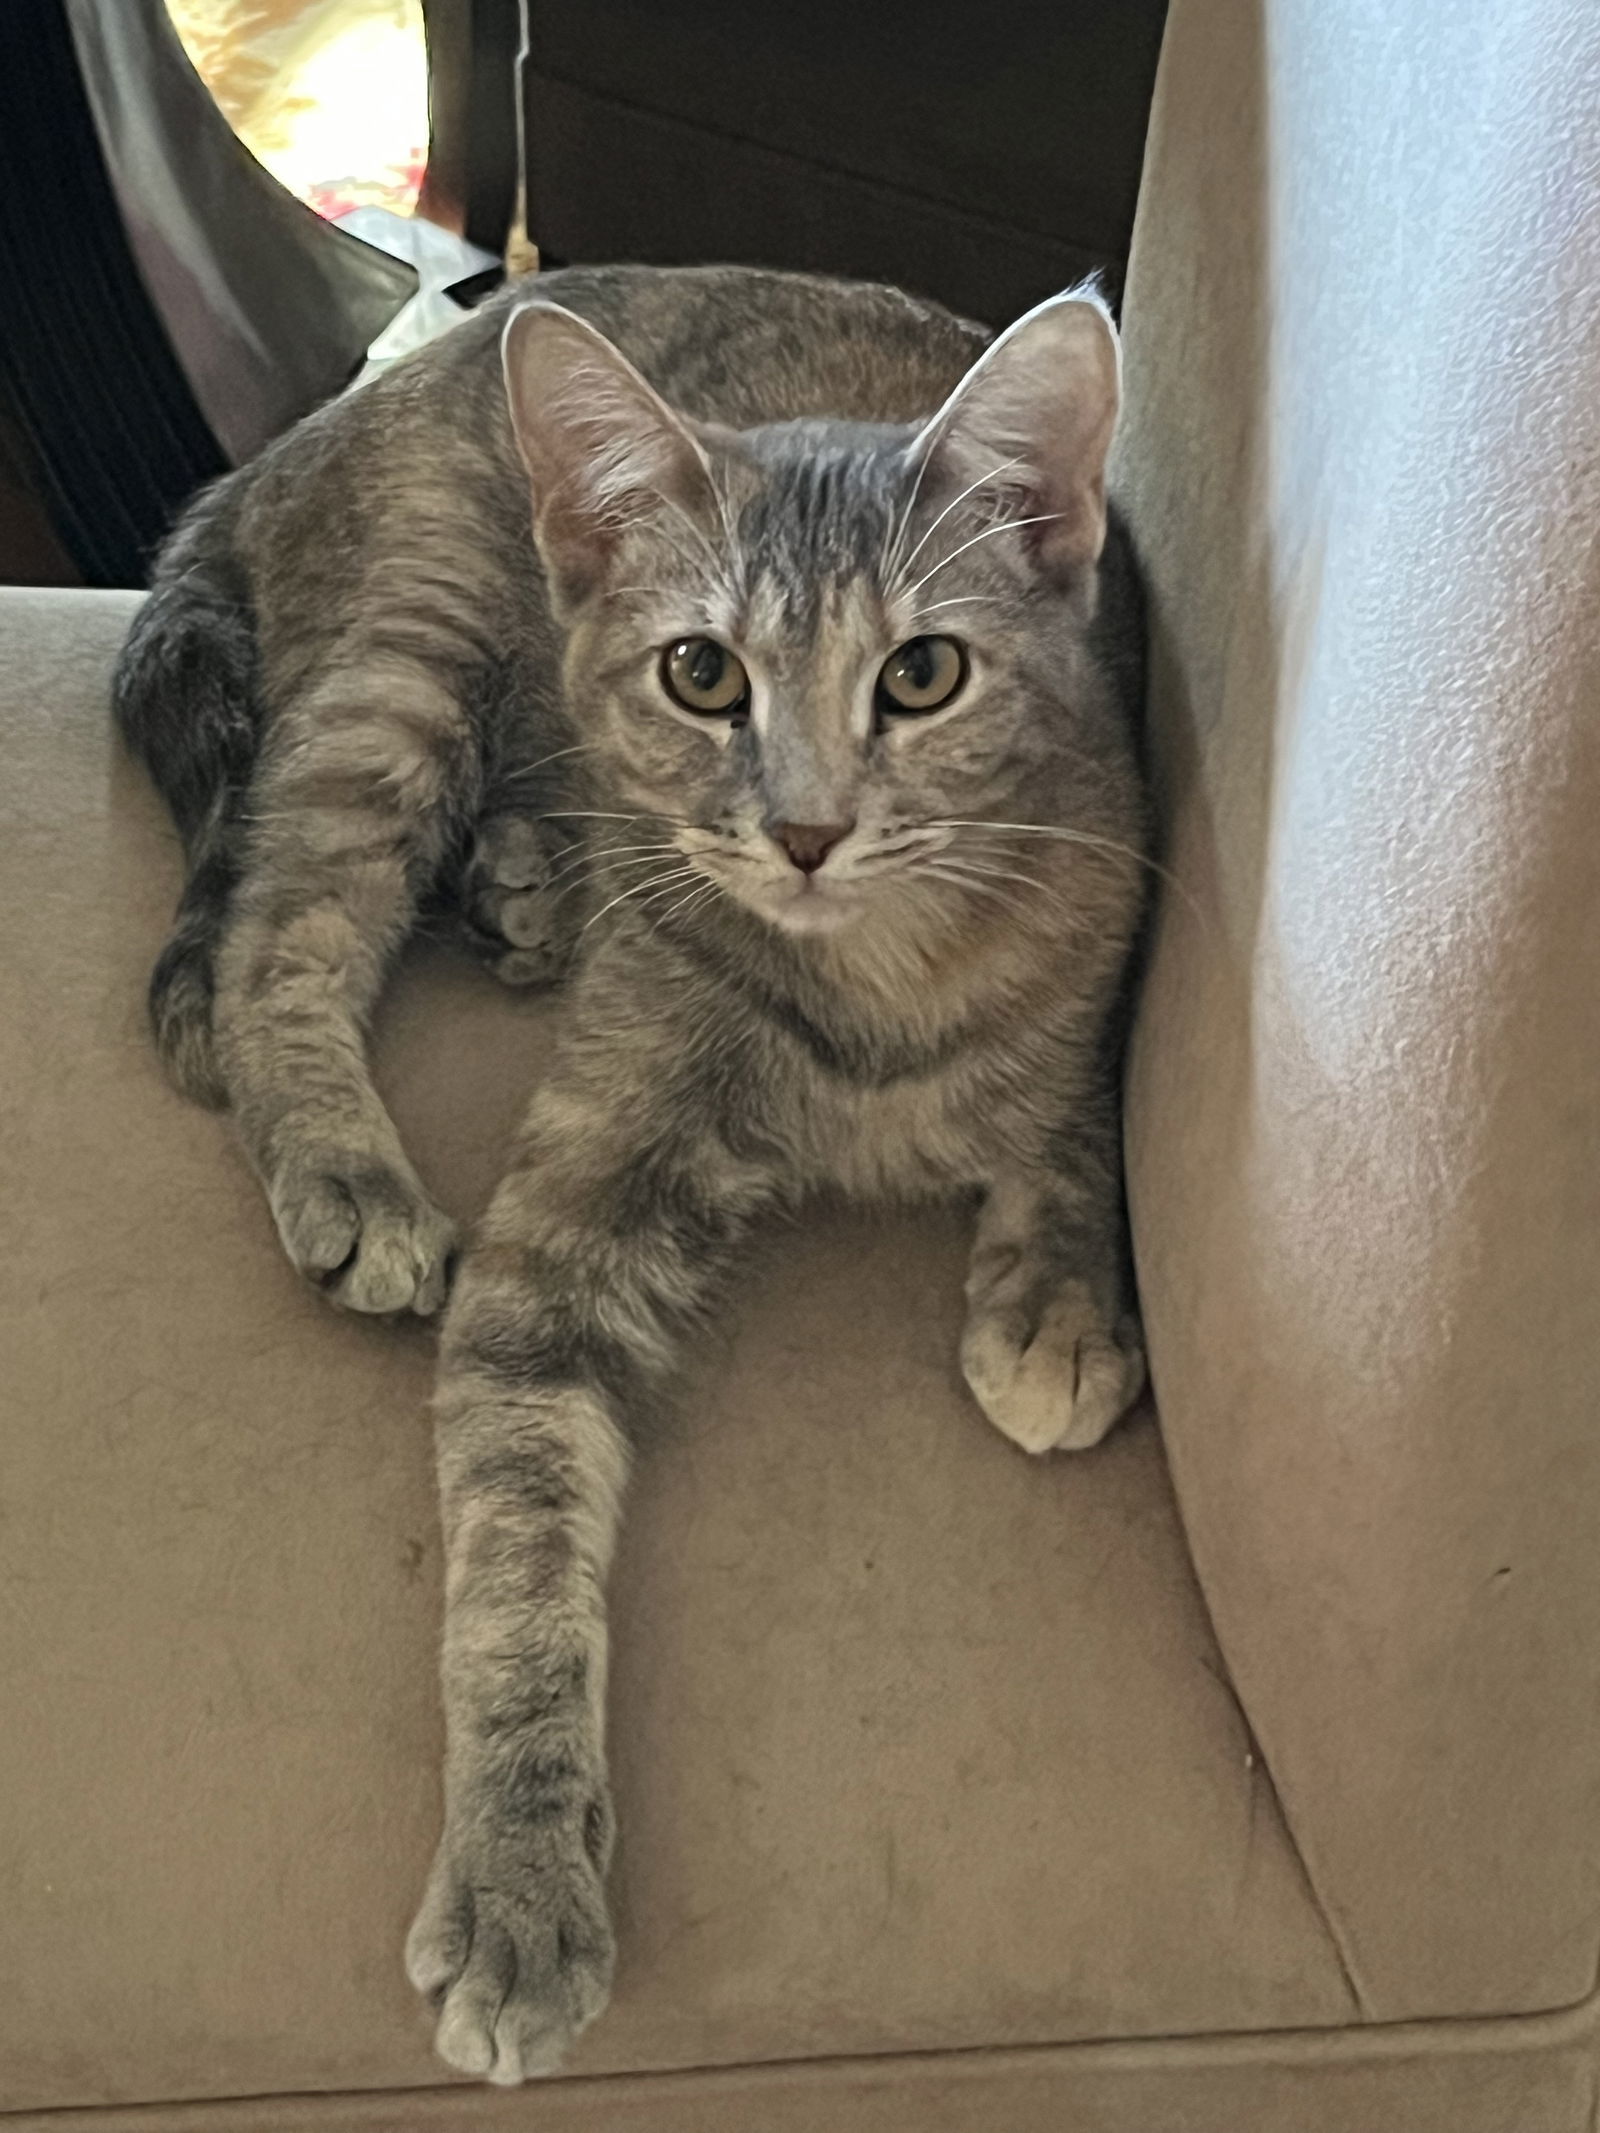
(747, 345)
(420, 464)
(735, 345)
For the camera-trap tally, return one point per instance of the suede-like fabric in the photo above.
(1529, 2075)
(1363, 461)
(919, 1743)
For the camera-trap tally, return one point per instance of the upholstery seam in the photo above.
(1428, 2026)
(1343, 1955)
(985, 224)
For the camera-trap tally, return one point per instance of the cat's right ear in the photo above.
(604, 452)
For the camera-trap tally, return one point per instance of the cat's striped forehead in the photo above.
(824, 512)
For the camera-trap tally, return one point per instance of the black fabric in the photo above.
(471, 181)
(985, 156)
(165, 305)
(88, 377)
(268, 308)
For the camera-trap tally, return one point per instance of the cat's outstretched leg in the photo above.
(348, 814)
(613, 1230)
(1052, 1349)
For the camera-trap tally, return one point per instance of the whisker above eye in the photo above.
(932, 607)
(1005, 466)
(1005, 525)
(889, 561)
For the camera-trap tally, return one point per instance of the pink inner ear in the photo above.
(604, 452)
(1045, 394)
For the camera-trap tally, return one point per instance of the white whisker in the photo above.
(716, 565)
(584, 878)
(1067, 916)
(691, 900)
(976, 866)
(569, 860)
(1091, 842)
(638, 888)
(730, 531)
(526, 770)
(895, 533)
(982, 482)
(1005, 525)
(932, 607)
(595, 814)
(966, 881)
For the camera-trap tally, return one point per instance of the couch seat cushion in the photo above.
(918, 1743)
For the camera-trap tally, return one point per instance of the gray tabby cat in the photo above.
(809, 716)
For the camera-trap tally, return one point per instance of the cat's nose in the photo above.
(809, 843)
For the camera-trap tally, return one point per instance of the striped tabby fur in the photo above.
(365, 691)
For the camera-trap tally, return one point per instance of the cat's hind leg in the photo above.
(362, 789)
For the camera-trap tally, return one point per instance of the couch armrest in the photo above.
(1363, 329)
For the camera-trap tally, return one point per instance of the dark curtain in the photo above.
(165, 306)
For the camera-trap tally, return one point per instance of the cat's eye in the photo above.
(921, 676)
(705, 677)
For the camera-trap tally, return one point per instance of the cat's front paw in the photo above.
(516, 896)
(365, 1232)
(513, 1945)
(1058, 1381)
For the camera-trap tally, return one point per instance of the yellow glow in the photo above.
(331, 95)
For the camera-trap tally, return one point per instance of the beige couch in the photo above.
(1242, 1777)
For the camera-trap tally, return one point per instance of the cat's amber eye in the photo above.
(705, 677)
(921, 676)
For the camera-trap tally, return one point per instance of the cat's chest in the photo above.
(877, 1104)
(910, 1138)
(935, 1127)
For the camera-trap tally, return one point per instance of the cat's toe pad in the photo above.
(514, 897)
(365, 1232)
(1057, 1385)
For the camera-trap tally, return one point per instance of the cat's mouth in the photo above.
(813, 903)
(825, 898)
(794, 900)
(821, 900)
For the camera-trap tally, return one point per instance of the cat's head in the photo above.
(825, 661)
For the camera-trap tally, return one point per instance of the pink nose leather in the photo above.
(809, 843)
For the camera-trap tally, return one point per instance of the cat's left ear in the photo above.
(1028, 430)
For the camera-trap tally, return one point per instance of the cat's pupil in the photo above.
(706, 663)
(916, 663)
